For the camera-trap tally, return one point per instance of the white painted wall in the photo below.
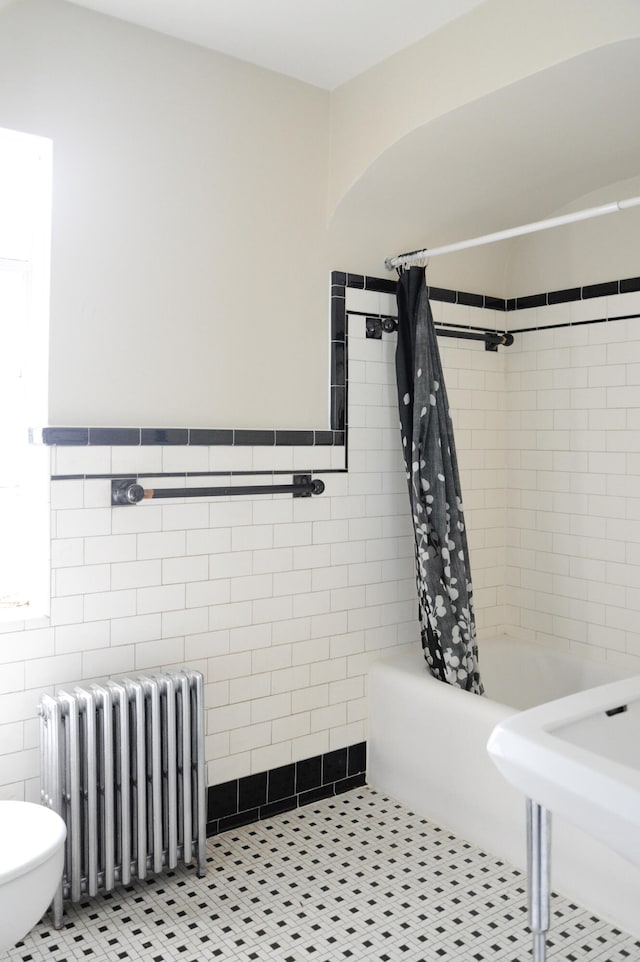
(588, 252)
(191, 193)
(189, 275)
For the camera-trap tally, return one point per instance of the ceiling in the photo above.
(321, 42)
(522, 153)
(555, 137)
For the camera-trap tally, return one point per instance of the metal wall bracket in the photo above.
(374, 328)
(376, 325)
(493, 341)
(126, 491)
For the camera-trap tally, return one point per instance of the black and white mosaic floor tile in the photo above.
(356, 877)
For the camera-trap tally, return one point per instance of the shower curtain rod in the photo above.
(413, 257)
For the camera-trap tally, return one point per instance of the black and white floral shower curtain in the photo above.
(445, 594)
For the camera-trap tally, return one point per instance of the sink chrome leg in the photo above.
(539, 867)
(56, 908)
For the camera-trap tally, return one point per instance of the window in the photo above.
(25, 229)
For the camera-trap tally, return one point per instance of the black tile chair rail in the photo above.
(188, 437)
(254, 797)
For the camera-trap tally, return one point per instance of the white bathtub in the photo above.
(427, 749)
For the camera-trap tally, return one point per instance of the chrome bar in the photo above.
(197, 683)
(139, 773)
(50, 777)
(183, 763)
(539, 868)
(154, 734)
(128, 491)
(71, 793)
(123, 780)
(90, 788)
(187, 801)
(169, 765)
(416, 257)
(106, 801)
(54, 788)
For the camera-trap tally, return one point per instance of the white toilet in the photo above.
(31, 861)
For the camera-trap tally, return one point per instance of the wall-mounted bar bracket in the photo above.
(128, 491)
(374, 328)
(492, 341)
(376, 325)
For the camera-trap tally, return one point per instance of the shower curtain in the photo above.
(445, 594)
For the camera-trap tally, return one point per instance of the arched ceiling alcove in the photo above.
(514, 156)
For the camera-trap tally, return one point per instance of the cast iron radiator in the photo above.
(123, 764)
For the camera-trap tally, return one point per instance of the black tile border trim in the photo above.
(595, 320)
(625, 286)
(249, 799)
(188, 437)
(443, 294)
(336, 435)
(140, 475)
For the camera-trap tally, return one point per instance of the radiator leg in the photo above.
(202, 859)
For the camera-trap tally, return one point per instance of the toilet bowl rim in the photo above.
(26, 816)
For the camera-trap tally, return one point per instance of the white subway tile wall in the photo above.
(573, 482)
(283, 604)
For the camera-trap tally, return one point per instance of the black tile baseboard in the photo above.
(245, 800)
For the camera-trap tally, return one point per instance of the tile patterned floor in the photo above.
(355, 877)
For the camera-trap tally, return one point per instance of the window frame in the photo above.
(25, 246)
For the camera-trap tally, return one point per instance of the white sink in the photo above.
(579, 757)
